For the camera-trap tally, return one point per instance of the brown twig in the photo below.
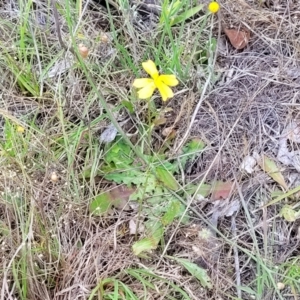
(58, 31)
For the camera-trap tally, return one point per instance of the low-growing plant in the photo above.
(152, 185)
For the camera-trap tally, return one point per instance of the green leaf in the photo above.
(129, 177)
(172, 212)
(146, 188)
(166, 178)
(195, 270)
(119, 154)
(289, 214)
(194, 146)
(8, 146)
(128, 105)
(211, 45)
(204, 190)
(285, 195)
(186, 15)
(149, 277)
(174, 7)
(149, 243)
(144, 245)
(276, 193)
(247, 289)
(191, 150)
(101, 205)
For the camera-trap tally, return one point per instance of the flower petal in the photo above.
(147, 91)
(141, 82)
(164, 90)
(169, 80)
(150, 68)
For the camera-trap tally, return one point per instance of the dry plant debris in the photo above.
(105, 196)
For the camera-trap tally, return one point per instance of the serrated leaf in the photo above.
(191, 150)
(270, 167)
(147, 187)
(193, 146)
(119, 154)
(128, 178)
(166, 178)
(186, 15)
(195, 271)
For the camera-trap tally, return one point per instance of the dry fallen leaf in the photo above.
(270, 167)
(293, 132)
(285, 155)
(60, 67)
(109, 134)
(221, 190)
(133, 229)
(169, 132)
(223, 208)
(248, 164)
(239, 39)
(117, 197)
(120, 196)
(160, 121)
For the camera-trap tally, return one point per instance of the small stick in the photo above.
(236, 259)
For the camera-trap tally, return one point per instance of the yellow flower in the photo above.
(213, 7)
(147, 86)
(20, 129)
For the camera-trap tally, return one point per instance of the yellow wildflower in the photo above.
(213, 7)
(147, 86)
(20, 129)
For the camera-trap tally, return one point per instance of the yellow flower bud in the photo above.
(20, 129)
(213, 7)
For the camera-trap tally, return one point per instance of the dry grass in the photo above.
(51, 246)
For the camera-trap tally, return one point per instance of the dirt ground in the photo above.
(249, 112)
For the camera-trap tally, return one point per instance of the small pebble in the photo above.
(280, 285)
(83, 50)
(54, 177)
